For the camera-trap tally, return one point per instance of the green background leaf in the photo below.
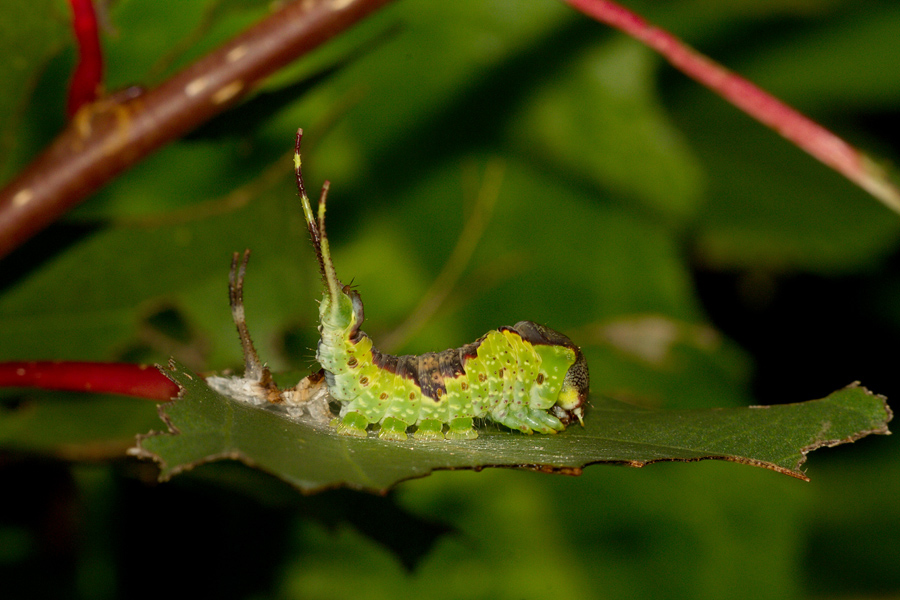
(31, 32)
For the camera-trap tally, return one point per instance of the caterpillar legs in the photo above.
(461, 429)
(430, 430)
(393, 429)
(354, 424)
(529, 420)
(525, 419)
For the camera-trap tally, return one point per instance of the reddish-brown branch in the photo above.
(140, 381)
(806, 134)
(87, 80)
(111, 135)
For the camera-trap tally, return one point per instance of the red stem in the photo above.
(141, 381)
(87, 80)
(803, 132)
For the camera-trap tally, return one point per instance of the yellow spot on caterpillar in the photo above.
(440, 392)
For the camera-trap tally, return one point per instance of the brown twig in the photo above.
(111, 135)
(762, 106)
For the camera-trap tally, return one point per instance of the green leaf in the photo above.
(764, 216)
(30, 32)
(831, 63)
(770, 207)
(599, 116)
(206, 426)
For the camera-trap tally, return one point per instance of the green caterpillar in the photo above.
(526, 377)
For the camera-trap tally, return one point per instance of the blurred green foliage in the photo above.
(628, 194)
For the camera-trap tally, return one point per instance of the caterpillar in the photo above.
(527, 377)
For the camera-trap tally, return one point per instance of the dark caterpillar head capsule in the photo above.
(576, 385)
(574, 394)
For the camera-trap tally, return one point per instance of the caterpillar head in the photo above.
(574, 393)
(576, 385)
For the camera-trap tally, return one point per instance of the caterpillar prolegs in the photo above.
(527, 377)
